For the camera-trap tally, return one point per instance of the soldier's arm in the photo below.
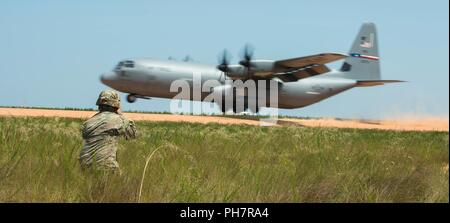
(129, 129)
(83, 130)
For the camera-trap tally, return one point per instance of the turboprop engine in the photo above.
(246, 67)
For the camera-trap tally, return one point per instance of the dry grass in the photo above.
(225, 163)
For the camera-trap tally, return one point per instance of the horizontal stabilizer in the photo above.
(369, 83)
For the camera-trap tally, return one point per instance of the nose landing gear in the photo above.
(131, 98)
(246, 107)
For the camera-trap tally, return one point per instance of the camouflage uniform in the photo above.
(101, 133)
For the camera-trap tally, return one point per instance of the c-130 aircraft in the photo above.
(300, 81)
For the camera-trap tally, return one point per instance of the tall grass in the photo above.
(225, 163)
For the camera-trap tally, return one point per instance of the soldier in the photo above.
(102, 131)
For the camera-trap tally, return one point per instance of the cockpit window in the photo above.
(118, 66)
(129, 64)
(126, 63)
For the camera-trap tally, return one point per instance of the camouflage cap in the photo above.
(109, 97)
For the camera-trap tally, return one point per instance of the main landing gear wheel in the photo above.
(131, 98)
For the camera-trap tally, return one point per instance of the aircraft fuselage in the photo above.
(153, 78)
(299, 81)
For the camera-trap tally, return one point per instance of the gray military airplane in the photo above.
(301, 81)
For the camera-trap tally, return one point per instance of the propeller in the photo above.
(246, 55)
(224, 60)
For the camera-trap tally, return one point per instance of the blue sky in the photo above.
(52, 52)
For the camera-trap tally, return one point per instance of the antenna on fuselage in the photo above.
(188, 58)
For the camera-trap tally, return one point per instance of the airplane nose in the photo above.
(107, 78)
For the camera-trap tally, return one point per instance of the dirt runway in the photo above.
(403, 124)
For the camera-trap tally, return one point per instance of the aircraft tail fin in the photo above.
(363, 61)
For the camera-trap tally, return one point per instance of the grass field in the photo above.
(225, 163)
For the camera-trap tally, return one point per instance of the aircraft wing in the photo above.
(322, 58)
(303, 67)
(300, 73)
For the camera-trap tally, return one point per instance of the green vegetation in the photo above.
(225, 163)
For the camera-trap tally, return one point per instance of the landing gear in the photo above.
(235, 108)
(131, 98)
(223, 108)
(256, 110)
